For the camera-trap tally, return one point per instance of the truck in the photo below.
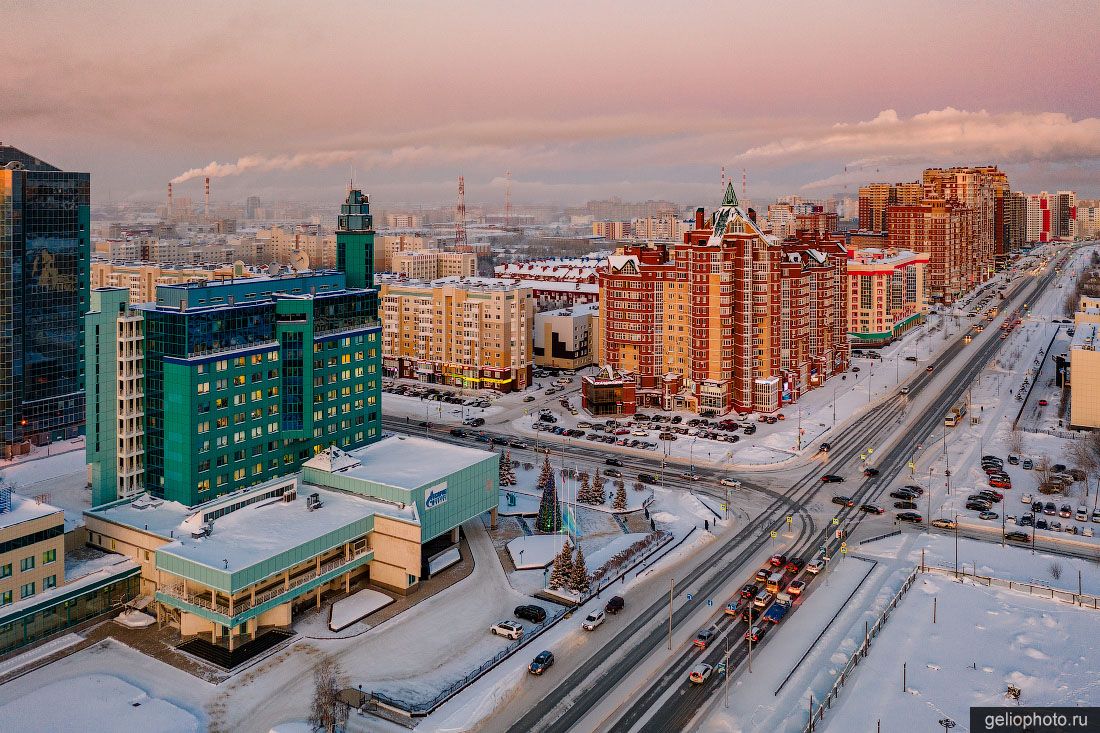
(957, 412)
(776, 613)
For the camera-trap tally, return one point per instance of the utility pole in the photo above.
(671, 587)
(727, 674)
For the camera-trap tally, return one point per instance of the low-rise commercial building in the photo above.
(611, 392)
(245, 562)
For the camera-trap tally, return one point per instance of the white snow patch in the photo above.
(347, 611)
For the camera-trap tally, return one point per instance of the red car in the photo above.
(778, 560)
(794, 565)
(1000, 483)
(1043, 403)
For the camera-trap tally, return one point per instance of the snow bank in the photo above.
(347, 611)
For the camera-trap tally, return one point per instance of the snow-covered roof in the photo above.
(409, 463)
(24, 510)
(332, 460)
(561, 287)
(1086, 336)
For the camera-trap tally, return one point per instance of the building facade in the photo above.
(874, 198)
(239, 381)
(701, 325)
(567, 339)
(142, 280)
(32, 547)
(466, 332)
(944, 231)
(431, 265)
(887, 294)
(1088, 218)
(45, 241)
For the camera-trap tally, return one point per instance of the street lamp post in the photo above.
(956, 545)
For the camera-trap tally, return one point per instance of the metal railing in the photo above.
(1084, 600)
(858, 654)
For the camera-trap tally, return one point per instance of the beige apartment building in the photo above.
(387, 245)
(887, 294)
(426, 265)
(466, 332)
(32, 547)
(568, 338)
(142, 280)
(287, 244)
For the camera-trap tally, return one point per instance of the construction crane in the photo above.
(460, 215)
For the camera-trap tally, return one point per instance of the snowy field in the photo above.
(983, 641)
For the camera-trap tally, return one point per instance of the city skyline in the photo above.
(285, 103)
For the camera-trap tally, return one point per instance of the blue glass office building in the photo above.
(44, 252)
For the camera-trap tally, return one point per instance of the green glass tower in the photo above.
(355, 240)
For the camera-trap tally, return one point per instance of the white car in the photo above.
(732, 483)
(700, 673)
(815, 565)
(1026, 499)
(510, 629)
(593, 620)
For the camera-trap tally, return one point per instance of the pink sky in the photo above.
(577, 99)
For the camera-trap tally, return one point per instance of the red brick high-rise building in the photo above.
(945, 231)
(730, 319)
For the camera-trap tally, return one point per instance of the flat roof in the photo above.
(24, 509)
(407, 462)
(247, 536)
(1086, 336)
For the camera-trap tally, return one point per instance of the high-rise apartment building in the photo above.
(429, 265)
(1052, 217)
(1014, 221)
(874, 198)
(887, 294)
(45, 239)
(945, 231)
(730, 319)
(611, 229)
(142, 280)
(982, 190)
(239, 381)
(466, 332)
(1088, 218)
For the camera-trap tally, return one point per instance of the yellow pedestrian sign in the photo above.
(863, 456)
(790, 520)
(836, 520)
(843, 550)
(774, 534)
(722, 506)
(843, 546)
(912, 465)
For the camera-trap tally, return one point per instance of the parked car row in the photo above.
(433, 394)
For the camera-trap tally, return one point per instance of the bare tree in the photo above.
(327, 712)
(1055, 570)
(1043, 472)
(1016, 441)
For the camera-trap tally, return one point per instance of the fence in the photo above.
(427, 707)
(878, 537)
(1084, 600)
(864, 648)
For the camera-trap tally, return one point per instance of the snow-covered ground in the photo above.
(568, 487)
(347, 611)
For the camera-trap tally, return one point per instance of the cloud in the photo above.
(946, 134)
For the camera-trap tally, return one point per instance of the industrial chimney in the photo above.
(206, 200)
(169, 200)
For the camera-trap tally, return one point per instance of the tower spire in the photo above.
(731, 195)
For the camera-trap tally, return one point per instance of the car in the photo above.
(754, 634)
(542, 662)
(904, 505)
(778, 561)
(825, 447)
(871, 509)
(748, 590)
(1013, 459)
(613, 472)
(796, 587)
(988, 515)
(459, 432)
(532, 613)
(913, 517)
(700, 673)
(1087, 532)
(529, 398)
(476, 422)
(614, 605)
(1065, 511)
(749, 429)
(843, 500)
(914, 489)
(988, 457)
(762, 599)
(1041, 524)
(1000, 483)
(978, 504)
(816, 565)
(903, 494)
(945, 523)
(1017, 537)
(1096, 515)
(1026, 499)
(832, 478)
(647, 478)
(732, 483)
(911, 358)
(1043, 403)
(929, 368)
(794, 565)
(991, 495)
(613, 462)
(870, 471)
(705, 637)
(592, 620)
(1026, 520)
(510, 629)
(903, 390)
(1037, 507)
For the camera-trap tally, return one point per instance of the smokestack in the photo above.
(206, 199)
(699, 218)
(169, 199)
(752, 215)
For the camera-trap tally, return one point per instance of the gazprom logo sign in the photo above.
(435, 496)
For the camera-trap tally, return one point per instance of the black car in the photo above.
(914, 489)
(459, 432)
(613, 462)
(825, 447)
(909, 517)
(979, 505)
(542, 662)
(843, 501)
(647, 478)
(1017, 537)
(613, 472)
(904, 505)
(870, 471)
(477, 422)
(903, 494)
(534, 614)
(832, 478)
(871, 509)
(1026, 520)
(749, 429)
(749, 590)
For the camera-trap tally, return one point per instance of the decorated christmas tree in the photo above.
(562, 574)
(619, 503)
(549, 519)
(507, 469)
(578, 578)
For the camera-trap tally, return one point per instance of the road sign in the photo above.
(843, 545)
(843, 550)
(774, 534)
(689, 596)
(870, 450)
(912, 465)
(836, 520)
(722, 506)
(710, 601)
(790, 520)
(863, 456)
(839, 533)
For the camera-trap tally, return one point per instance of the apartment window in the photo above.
(203, 485)
(238, 362)
(257, 358)
(5, 570)
(5, 598)
(238, 475)
(223, 441)
(222, 422)
(257, 394)
(221, 403)
(49, 556)
(203, 427)
(49, 582)
(239, 380)
(221, 366)
(221, 384)
(203, 387)
(27, 590)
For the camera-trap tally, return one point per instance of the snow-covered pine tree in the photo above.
(507, 469)
(562, 573)
(619, 504)
(578, 579)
